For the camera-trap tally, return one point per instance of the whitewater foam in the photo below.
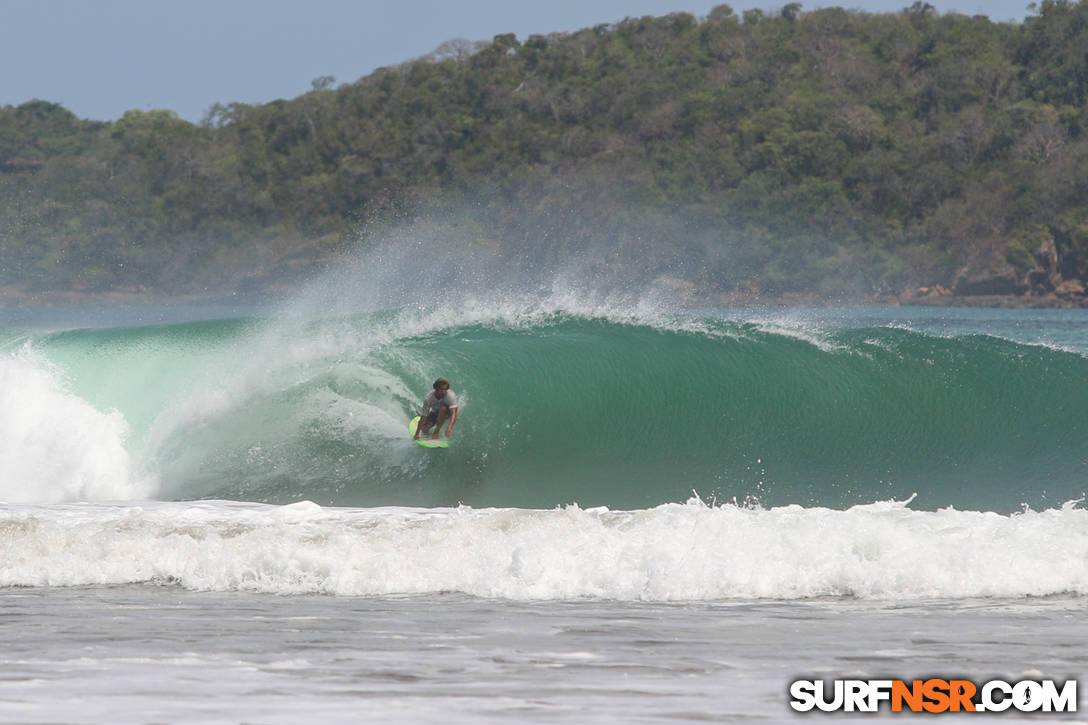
(673, 552)
(55, 446)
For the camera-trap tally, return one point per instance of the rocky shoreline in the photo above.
(12, 298)
(921, 297)
(1049, 300)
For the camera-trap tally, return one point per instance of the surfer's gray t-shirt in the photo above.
(432, 403)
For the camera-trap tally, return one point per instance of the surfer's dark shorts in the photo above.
(432, 417)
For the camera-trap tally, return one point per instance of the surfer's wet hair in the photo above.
(441, 383)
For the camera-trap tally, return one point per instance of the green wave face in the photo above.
(561, 408)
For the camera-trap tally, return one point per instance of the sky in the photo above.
(99, 58)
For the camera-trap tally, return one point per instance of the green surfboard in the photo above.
(426, 442)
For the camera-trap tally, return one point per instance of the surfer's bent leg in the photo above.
(426, 422)
(443, 413)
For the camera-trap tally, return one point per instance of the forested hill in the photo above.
(828, 152)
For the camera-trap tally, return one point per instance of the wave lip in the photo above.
(673, 552)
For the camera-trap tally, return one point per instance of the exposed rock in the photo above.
(1003, 283)
(1070, 288)
(1040, 282)
(1046, 257)
(1044, 278)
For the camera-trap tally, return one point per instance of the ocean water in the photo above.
(645, 515)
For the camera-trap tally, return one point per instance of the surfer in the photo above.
(439, 406)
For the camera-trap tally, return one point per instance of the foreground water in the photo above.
(643, 516)
(134, 654)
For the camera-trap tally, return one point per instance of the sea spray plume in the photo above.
(475, 256)
(291, 405)
(303, 375)
(335, 356)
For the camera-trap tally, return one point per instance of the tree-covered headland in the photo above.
(826, 152)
